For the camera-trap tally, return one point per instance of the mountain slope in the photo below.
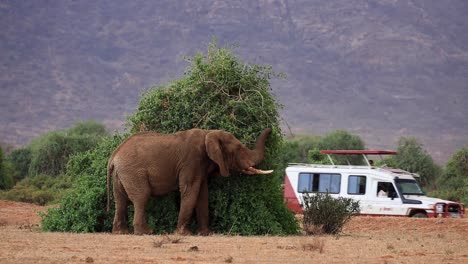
(380, 69)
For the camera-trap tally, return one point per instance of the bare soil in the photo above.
(364, 240)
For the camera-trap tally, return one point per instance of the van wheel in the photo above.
(420, 215)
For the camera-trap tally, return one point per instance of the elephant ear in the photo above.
(215, 152)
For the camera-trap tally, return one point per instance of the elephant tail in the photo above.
(110, 169)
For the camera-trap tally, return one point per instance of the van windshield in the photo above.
(409, 187)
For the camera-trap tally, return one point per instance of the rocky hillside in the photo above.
(380, 68)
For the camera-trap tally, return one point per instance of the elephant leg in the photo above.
(139, 192)
(119, 225)
(188, 200)
(139, 219)
(202, 210)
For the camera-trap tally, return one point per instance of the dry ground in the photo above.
(365, 240)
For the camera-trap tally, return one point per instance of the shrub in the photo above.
(315, 157)
(40, 189)
(20, 160)
(6, 181)
(453, 184)
(306, 148)
(414, 158)
(51, 151)
(90, 128)
(83, 208)
(325, 214)
(218, 91)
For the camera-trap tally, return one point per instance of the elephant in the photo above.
(152, 164)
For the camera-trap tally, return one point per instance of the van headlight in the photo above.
(439, 208)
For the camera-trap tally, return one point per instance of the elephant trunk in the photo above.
(259, 151)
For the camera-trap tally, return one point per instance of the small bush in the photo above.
(19, 160)
(39, 190)
(325, 214)
(51, 151)
(83, 208)
(6, 181)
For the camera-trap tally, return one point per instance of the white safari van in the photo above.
(382, 191)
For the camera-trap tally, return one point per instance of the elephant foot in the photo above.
(184, 231)
(204, 232)
(120, 231)
(142, 230)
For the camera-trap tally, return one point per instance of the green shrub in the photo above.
(218, 91)
(459, 194)
(90, 128)
(50, 152)
(40, 189)
(453, 183)
(6, 181)
(306, 148)
(83, 208)
(414, 158)
(325, 214)
(20, 159)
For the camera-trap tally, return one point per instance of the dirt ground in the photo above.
(364, 240)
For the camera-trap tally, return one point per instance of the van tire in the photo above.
(419, 215)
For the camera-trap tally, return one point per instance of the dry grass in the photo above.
(316, 245)
(365, 240)
(166, 240)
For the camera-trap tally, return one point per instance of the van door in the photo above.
(357, 188)
(384, 199)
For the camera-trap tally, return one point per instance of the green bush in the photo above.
(315, 157)
(20, 159)
(40, 189)
(6, 181)
(306, 148)
(219, 91)
(414, 158)
(453, 184)
(83, 208)
(51, 151)
(325, 214)
(89, 128)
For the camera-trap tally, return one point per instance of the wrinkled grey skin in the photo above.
(151, 164)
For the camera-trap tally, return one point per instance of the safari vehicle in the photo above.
(382, 191)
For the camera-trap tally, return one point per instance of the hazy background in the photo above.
(379, 69)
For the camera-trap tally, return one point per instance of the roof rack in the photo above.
(363, 152)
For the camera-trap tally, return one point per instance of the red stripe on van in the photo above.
(290, 197)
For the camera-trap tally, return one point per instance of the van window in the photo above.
(386, 189)
(357, 184)
(319, 182)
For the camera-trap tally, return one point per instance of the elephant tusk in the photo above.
(252, 170)
(264, 171)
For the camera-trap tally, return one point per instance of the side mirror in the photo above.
(393, 195)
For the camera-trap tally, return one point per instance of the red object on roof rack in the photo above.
(359, 152)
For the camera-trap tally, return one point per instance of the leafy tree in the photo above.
(6, 182)
(40, 189)
(82, 209)
(457, 166)
(51, 151)
(89, 128)
(20, 159)
(218, 91)
(315, 157)
(336, 140)
(412, 157)
(296, 149)
(341, 139)
(453, 184)
(306, 148)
